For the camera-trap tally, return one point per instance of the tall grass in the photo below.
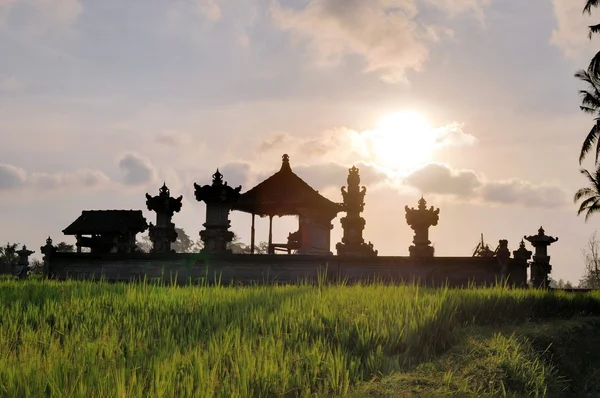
(137, 340)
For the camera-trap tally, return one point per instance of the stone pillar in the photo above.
(420, 220)
(23, 264)
(47, 250)
(503, 256)
(219, 198)
(540, 268)
(163, 233)
(521, 256)
(353, 224)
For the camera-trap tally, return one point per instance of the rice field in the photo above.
(71, 339)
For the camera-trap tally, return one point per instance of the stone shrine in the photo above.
(23, 264)
(219, 198)
(540, 267)
(163, 233)
(353, 224)
(420, 220)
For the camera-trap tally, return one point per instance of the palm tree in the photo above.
(590, 195)
(594, 67)
(590, 103)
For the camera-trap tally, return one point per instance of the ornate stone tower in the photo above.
(540, 268)
(353, 224)
(23, 264)
(219, 198)
(163, 233)
(420, 220)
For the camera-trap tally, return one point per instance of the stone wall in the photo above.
(247, 268)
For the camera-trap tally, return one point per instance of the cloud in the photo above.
(10, 84)
(454, 135)
(466, 184)
(441, 179)
(570, 35)
(11, 177)
(516, 191)
(383, 32)
(327, 175)
(84, 178)
(209, 9)
(333, 144)
(456, 7)
(174, 139)
(236, 173)
(41, 16)
(137, 170)
(344, 145)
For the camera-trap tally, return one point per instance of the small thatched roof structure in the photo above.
(95, 222)
(283, 194)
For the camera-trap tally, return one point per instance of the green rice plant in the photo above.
(98, 339)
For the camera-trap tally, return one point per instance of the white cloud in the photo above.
(42, 16)
(383, 32)
(457, 7)
(10, 84)
(13, 177)
(174, 139)
(137, 170)
(467, 185)
(83, 178)
(454, 135)
(571, 32)
(209, 9)
(441, 179)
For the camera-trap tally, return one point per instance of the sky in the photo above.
(471, 103)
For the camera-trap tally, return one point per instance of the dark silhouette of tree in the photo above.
(594, 67)
(183, 243)
(8, 257)
(591, 257)
(590, 195)
(65, 247)
(238, 247)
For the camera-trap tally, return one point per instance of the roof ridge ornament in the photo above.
(285, 163)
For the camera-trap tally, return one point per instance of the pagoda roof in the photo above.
(284, 193)
(92, 222)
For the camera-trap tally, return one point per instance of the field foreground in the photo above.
(137, 340)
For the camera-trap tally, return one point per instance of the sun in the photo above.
(401, 141)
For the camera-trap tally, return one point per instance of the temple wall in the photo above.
(240, 268)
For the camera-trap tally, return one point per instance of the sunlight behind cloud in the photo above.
(406, 140)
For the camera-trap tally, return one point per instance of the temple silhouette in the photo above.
(110, 237)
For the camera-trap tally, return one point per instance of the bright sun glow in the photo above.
(401, 141)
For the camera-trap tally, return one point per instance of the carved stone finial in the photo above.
(217, 178)
(164, 191)
(285, 163)
(420, 220)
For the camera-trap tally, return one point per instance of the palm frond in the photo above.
(593, 208)
(589, 4)
(585, 109)
(588, 142)
(587, 203)
(584, 192)
(589, 176)
(594, 66)
(590, 100)
(593, 29)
